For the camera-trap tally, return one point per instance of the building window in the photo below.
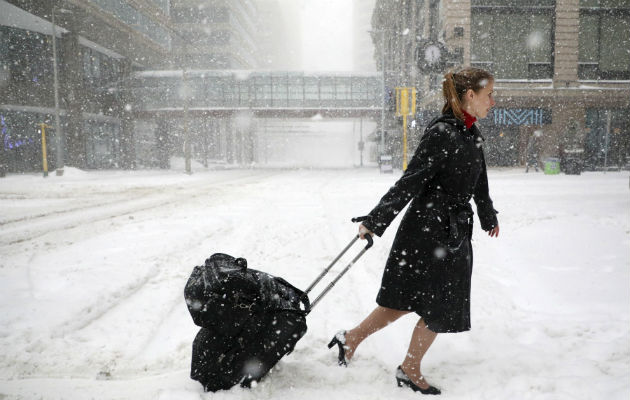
(98, 68)
(607, 138)
(190, 15)
(25, 56)
(604, 39)
(137, 20)
(102, 143)
(164, 5)
(513, 41)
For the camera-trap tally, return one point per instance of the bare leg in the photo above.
(377, 320)
(421, 340)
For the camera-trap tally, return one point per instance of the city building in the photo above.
(562, 70)
(99, 43)
(215, 34)
(279, 35)
(362, 46)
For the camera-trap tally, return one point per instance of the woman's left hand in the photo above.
(494, 232)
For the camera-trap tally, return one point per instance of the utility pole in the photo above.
(606, 141)
(361, 143)
(186, 130)
(383, 82)
(382, 31)
(58, 133)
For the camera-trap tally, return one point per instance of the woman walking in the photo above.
(430, 264)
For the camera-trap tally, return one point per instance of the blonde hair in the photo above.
(456, 84)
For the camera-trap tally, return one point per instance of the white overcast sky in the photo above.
(326, 33)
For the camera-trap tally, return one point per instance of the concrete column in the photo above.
(565, 114)
(566, 45)
(71, 78)
(458, 15)
(163, 145)
(229, 141)
(125, 110)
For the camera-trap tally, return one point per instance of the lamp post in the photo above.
(186, 95)
(382, 31)
(606, 140)
(383, 82)
(58, 133)
(383, 87)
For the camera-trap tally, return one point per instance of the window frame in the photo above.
(599, 74)
(548, 10)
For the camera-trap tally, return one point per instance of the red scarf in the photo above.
(469, 120)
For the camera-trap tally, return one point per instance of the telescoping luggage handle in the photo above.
(342, 273)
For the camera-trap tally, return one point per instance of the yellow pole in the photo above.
(404, 142)
(42, 127)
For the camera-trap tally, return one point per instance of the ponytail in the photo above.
(456, 84)
(452, 99)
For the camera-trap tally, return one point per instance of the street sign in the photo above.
(405, 101)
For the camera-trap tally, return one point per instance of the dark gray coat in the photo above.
(430, 264)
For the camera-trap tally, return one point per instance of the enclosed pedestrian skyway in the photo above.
(265, 94)
(263, 117)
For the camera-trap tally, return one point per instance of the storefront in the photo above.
(21, 149)
(22, 139)
(607, 138)
(510, 133)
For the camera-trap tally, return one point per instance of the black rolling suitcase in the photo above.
(249, 319)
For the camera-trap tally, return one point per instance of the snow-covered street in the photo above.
(93, 267)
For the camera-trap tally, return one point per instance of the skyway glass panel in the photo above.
(343, 89)
(327, 88)
(230, 91)
(214, 91)
(296, 91)
(311, 91)
(280, 90)
(262, 90)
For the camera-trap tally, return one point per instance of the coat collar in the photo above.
(449, 118)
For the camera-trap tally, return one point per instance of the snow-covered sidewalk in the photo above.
(93, 265)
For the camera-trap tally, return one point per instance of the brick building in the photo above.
(562, 69)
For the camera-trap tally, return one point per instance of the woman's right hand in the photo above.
(364, 231)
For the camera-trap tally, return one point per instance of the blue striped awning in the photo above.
(521, 116)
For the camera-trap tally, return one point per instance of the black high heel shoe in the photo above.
(403, 380)
(340, 340)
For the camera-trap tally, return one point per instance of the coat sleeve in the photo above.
(481, 195)
(428, 160)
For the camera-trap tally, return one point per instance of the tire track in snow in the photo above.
(125, 198)
(52, 223)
